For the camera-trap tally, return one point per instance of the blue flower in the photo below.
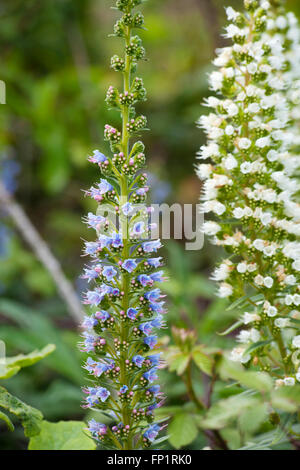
(117, 241)
(90, 274)
(89, 323)
(97, 157)
(129, 265)
(158, 322)
(91, 248)
(94, 297)
(103, 393)
(151, 246)
(154, 359)
(138, 360)
(138, 229)
(151, 375)
(127, 208)
(109, 272)
(152, 432)
(154, 389)
(94, 221)
(104, 186)
(145, 280)
(102, 315)
(153, 295)
(154, 262)
(132, 313)
(157, 277)
(97, 429)
(146, 328)
(150, 341)
(124, 389)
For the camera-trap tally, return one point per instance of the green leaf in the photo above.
(203, 361)
(64, 435)
(251, 420)
(5, 418)
(260, 381)
(286, 399)
(7, 372)
(30, 418)
(25, 360)
(179, 363)
(222, 413)
(182, 430)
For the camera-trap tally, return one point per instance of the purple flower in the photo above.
(150, 341)
(152, 432)
(97, 429)
(142, 191)
(132, 313)
(138, 360)
(129, 265)
(109, 272)
(97, 157)
(123, 389)
(157, 307)
(149, 247)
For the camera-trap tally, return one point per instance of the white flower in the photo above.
(250, 317)
(272, 155)
(281, 22)
(290, 280)
(254, 108)
(268, 282)
(229, 130)
(216, 80)
(296, 265)
(241, 268)
(262, 142)
(231, 14)
(259, 280)
(272, 311)
(225, 290)
(296, 342)
(244, 143)
(259, 244)
(210, 228)
(238, 212)
(289, 381)
(222, 272)
(229, 162)
(237, 355)
(204, 170)
(282, 322)
(245, 167)
(298, 375)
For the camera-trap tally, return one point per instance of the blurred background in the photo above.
(55, 58)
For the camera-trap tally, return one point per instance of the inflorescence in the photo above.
(126, 307)
(249, 184)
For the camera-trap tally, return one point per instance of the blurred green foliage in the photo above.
(55, 63)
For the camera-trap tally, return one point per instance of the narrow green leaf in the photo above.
(231, 328)
(25, 360)
(257, 345)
